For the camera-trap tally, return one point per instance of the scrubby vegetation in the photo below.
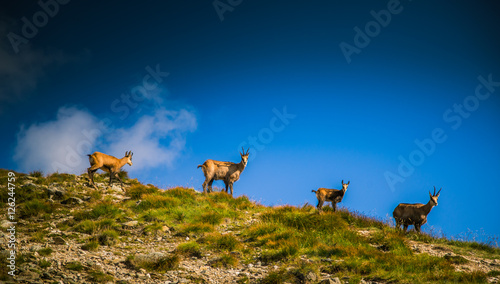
(295, 244)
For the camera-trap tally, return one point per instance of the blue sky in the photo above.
(395, 96)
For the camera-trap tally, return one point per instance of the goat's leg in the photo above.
(91, 172)
(320, 204)
(118, 177)
(205, 186)
(334, 205)
(417, 228)
(231, 187)
(210, 189)
(110, 177)
(226, 185)
(405, 227)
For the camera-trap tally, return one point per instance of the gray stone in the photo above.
(130, 224)
(311, 276)
(151, 257)
(55, 193)
(72, 201)
(5, 224)
(58, 241)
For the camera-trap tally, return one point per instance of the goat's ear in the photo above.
(131, 154)
(248, 150)
(348, 182)
(439, 191)
(342, 182)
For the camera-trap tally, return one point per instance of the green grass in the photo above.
(226, 242)
(226, 260)
(97, 276)
(36, 208)
(283, 251)
(211, 217)
(74, 265)
(494, 273)
(108, 238)
(152, 201)
(37, 174)
(44, 263)
(138, 190)
(188, 196)
(91, 245)
(60, 178)
(93, 227)
(196, 228)
(103, 209)
(45, 251)
(190, 249)
(160, 265)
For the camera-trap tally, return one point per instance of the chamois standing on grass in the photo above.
(414, 214)
(108, 164)
(226, 171)
(333, 195)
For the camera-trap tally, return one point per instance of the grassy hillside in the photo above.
(68, 232)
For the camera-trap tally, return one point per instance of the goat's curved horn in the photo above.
(131, 154)
(248, 150)
(434, 190)
(126, 153)
(342, 181)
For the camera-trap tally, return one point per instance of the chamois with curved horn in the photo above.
(108, 164)
(333, 195)
(226, 171)
(414, 214)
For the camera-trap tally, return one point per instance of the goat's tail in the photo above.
(313, 191)
(199, 166)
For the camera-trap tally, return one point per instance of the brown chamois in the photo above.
(414, 214)
(109, 164)
(226, 171)
(333, 195)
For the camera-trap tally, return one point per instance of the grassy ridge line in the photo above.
(298, 240)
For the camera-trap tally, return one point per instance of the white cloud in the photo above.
(57, 145)
(156, 139)
(62, 144)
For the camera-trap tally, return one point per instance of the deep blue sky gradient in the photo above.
(352, 120)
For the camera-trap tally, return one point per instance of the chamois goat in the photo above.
(414, 214)
(109, 164)
(333, 195)
(226, 171)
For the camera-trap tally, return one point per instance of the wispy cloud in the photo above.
(155, 139)
(62, 144)
(56, 145)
